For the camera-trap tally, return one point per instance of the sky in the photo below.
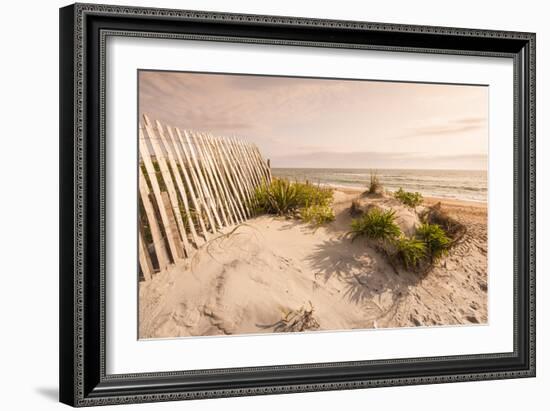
(320, 123)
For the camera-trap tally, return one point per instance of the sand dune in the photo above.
(277, 275)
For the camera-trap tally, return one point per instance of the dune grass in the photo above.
(374, 184)
(309, 202)
(317, 215)
(436, 240)
(410, 251)
(280, 197)
(376, 225)
(408, 198)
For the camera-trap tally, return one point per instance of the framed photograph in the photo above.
(261, 204)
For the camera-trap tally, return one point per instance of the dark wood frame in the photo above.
(83, 30)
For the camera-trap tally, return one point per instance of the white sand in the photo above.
(267, 270)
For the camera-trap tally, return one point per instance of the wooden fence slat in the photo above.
(249, 163)
(234, 175)
(196, 181)
(208, 200)
(144, 259)
(189, 184)
(156, 234)
(240, 170)
(168, 229)
(157, 142)
(216, 199)
(266, 171)
(224, 203)
(227, 169)
(221, 180)
(224, 200)
(247, 170)
(203, 180)
(165, 142)
(255, 166)
(170, 188)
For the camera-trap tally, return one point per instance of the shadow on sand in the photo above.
(364, 272)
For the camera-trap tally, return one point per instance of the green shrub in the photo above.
(454, 229)
(310, 194)
(376, 225)
(282, 197)
(435, 238)
(317, 214)
(411, 251)
(408, 198)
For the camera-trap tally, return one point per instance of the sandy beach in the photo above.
(258, 276)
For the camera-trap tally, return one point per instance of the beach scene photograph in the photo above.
(280, 204)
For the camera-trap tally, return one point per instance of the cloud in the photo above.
(449, 128)
(368, 159)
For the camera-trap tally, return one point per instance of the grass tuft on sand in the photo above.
(410, 251)
(309, 202)
(436, 240)
(408, 198)
(376, 225)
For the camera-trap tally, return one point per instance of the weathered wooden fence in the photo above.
(191, 185)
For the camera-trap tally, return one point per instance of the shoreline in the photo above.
(361, 185)
(429, 200)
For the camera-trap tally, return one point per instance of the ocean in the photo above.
(457, 184)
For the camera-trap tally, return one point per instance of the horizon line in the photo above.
(380, 168)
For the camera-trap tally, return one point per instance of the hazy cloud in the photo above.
(450, 128)
(381, 160)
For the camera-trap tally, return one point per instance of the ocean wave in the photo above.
(465, 185)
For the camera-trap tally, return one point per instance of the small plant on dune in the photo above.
(454, 229)
(374, 184)
(436, 240)
(376, 225)
(311, 194)
(310, 202)
(408, 198)
(411, 251)
(317, 214)
(279, 197)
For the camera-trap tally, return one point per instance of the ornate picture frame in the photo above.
(84, 29)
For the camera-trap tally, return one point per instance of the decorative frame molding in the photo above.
(83, 32)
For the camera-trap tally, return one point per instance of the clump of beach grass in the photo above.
(376, 225)
(410, 251)
(279, 197)
(408, 198)
(436, 240)
(317, 214)
(374, 184)
(436, 215)
(309, 202)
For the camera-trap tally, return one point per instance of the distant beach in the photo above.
(470, 185)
